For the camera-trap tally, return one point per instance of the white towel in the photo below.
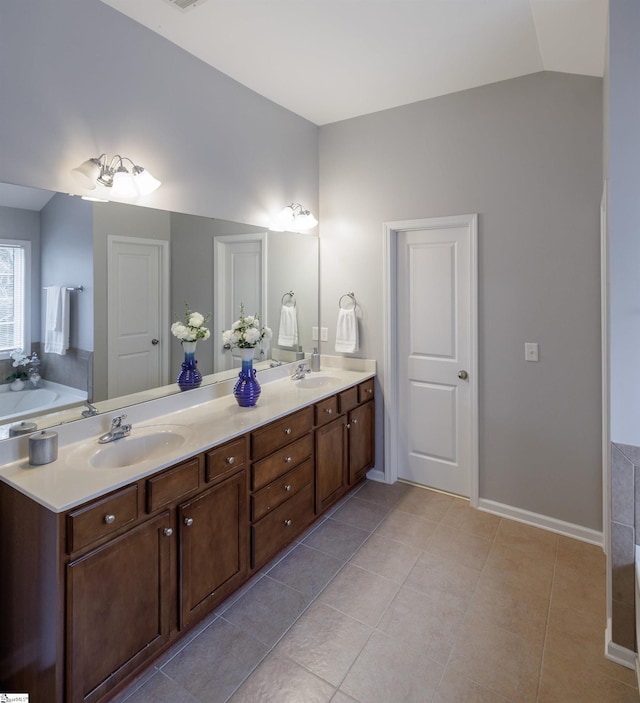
(288, 333)
(347, 331)
(56, 334)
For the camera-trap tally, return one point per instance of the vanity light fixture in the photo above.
(113, 174)
(295, 218)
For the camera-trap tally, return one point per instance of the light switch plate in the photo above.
(314, 334)
(324, 334)
(531, 351)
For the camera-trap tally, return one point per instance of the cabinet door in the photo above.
(213, 546)
(118, 601)
(331, 464)
(361, 447)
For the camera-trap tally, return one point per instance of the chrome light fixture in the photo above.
(113, 174)
(296, 218)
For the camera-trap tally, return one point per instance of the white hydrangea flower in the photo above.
(251, 335)
(196, 319)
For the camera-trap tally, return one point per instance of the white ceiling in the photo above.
(328, 60)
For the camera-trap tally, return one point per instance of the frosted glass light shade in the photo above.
(123, 184)
(143, 181)
(87, 173)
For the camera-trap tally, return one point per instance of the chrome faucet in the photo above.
(90, 411)
(302, 369)
(116, 431)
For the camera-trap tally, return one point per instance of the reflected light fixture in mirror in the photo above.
(295, 218)
(114, 175)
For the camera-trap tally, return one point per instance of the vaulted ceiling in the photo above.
(328, 60)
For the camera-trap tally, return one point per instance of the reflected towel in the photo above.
(347, 331)
(288, 332)
(56, 334)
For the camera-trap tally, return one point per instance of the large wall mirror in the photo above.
(131, 270)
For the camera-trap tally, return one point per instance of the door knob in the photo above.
(155, 341)
(463, 375)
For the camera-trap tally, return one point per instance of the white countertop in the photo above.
(66, 483)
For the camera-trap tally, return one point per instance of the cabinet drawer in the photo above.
(365, 391)
(326, 410)
(107, 516)
(173, 484)
(273, 495)
(278, 463)
(281, 526)
(348, 399)
(229, 457)
(280, 433)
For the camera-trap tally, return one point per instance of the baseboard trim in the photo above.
(544, 522)
(376, 475)
(619, 655)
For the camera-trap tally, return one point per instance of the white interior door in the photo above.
(435, 343)
(240, 266)
(137, 314)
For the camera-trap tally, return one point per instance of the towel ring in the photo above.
(353, 300)
(292, 299)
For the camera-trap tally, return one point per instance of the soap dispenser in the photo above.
(299, 354)
(315, 360)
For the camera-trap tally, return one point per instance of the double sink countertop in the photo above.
(168, 430)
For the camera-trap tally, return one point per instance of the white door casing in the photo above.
(240, 268)
(137, 314)
(431, 415)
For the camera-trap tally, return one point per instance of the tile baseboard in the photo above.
(620, 655)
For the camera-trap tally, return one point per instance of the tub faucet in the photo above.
(116, 431)
(302, 369)
(90, 411)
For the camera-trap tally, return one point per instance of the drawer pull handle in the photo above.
(230, 459)
(287, 460)
(287, 487)
(329, 411)
(188, 521)
(287, 523)
(168, 531)
(288, 430)
(109, 519)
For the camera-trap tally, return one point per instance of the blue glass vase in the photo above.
(189, 377)
(247, 388)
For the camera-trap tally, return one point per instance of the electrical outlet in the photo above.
(314, 334)
(324, 334)
(531, 351)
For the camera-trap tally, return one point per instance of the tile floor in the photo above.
(404, 594)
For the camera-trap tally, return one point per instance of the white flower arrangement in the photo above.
(246, 332)
(192, 329)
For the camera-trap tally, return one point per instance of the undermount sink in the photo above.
(143, 444)
(317, 380)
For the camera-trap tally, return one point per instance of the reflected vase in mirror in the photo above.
(189, 376)
(247, 389)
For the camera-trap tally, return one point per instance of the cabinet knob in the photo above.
(287, 487)
(329, 411)
(287, 460)
(354, 421)
(287, 523)
(348, 425)
(230, 459)
(188, 521)
(288, 430)
(168, 531)
(369, 391)
(109, 519)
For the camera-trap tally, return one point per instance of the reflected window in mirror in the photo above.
(15, 264)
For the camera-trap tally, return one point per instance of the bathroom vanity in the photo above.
(102, 575)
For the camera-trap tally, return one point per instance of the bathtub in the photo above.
(49, 396)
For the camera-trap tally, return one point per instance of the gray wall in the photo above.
(78, 78)
(526, 155)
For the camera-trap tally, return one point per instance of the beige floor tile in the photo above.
(307, 570)
(582, 554)
(537, 544)
(514, 569)
(578, 636)
(280, 680)
(563, 681)
(161, 689)
(382, 493)
(451, 583)
(406, 528)
(341, 697)
(497, 660)
(360, 594)
(361, 514)
(424, 503)
(458, 689)
(464, 517)
(385, 557)
(575, 586)
(412, 678)
(418, 622)
(520, 612)
(333, 538)
(325, 642)
(457, 545)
